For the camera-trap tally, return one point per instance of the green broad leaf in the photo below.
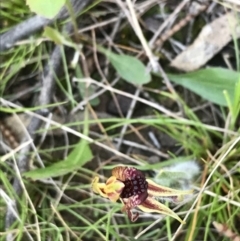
(79, 156)
(46, 8)
(210, 83)
(129, 68)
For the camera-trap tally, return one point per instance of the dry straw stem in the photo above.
(11, 205)
(232, 144)
(179, 25)
(156, 67)
(195, 214)
(70, 130)
(133, 21)
(128, 116)
(156, 106)
(15, 150)
(221, 159)
(48, 82)
(226, 232)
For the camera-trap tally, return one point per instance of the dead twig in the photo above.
(178, 26)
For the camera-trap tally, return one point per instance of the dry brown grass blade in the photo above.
(178, 26)
(226, 232)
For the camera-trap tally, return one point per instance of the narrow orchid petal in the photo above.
(156, 190)
(151, 205)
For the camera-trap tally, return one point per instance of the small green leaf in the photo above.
(46, 8)
(209, 83)
(90, 90)
(53, 34)
(80, 155)
(236, 103)
(57, 37)
(129, 68)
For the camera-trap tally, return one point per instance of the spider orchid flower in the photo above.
(130, 186)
